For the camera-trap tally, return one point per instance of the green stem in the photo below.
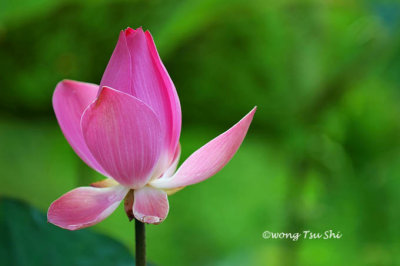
(140, 248)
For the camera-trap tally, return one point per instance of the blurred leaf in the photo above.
(27, 239)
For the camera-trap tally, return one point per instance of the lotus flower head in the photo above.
(127, 128)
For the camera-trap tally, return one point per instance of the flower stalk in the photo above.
(140, 243)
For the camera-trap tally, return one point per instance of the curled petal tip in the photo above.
(128, 31)
(150, 205)
(151, 220)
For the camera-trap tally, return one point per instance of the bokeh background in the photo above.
(322, 153)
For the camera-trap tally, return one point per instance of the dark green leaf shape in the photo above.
(27, 239)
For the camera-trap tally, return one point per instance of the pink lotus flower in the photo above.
(128, 130)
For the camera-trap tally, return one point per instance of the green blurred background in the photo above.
(322, 153)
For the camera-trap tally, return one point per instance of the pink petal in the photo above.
(123, 135)
(173, 119)
(70, 99)
(85, 206)
(136, 68)
(118, 73)
(150, 205)
(210, 158)
(172, 167)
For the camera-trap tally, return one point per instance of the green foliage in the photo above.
(26, 239)
(323, 151)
